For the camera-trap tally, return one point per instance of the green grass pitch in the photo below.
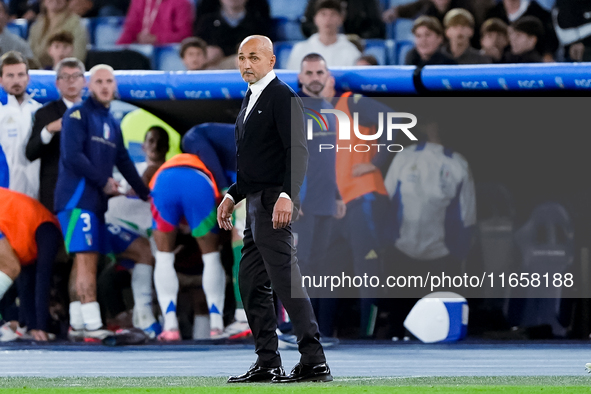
(194, 385)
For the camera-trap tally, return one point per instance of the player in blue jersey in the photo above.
(91, 145)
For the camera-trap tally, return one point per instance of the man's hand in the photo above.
(112, 188)
(282, 213)
(390, 15)
(39, 335)
(341, 210)
(363, 168)
(225, 210)
(576, 51)
(55, 126)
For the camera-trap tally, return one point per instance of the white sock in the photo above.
(141, 286)
(201, 327)
(214, 287)
(91, 314)
(167, 288)
(5, 283)
(76, 319)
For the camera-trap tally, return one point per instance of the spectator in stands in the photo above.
(459, 30)
(60, 46)
(44, 143)
(428, 34)
(509, 11)
(362, 17)
(524, 35)
(335, 48)
(494, 39)
(223, 30)
(157, 22)
(572, 28)
(367, 60)
(55, 17)
(193, 53)
(9, 41)
(16, 118)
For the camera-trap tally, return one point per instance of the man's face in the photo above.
(521, 42)
(194, 59)
(328, 20)
(459, 35)
(150, 146)
(254, 60)
(59, 51)
(70, 82)
(15, 79)
(102, 86)
(427, 41)
(494, 39)
(233, 3)
(313, 77)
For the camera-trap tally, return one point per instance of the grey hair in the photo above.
(99, 67)
(70, 62)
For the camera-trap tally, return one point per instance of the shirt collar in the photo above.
(14, 102)
(69, 104)
(262, 83)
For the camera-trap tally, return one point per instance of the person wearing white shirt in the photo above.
(16, 118)
(44, 143)
(335, 48)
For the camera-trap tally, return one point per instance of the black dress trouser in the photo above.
(269, 264)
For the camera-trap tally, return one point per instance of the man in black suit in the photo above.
(44, 142)
(271, 159)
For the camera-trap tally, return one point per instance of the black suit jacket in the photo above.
(270, 150)
(50, 153)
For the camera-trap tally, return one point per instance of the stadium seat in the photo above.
(383, 50)
(547, 4)
(20, 27)
(400, 30)
(106, 30)
(167, 58)
(394, 3)
(285, 29)
(402, 49)
(546, 243)
(290, 9)
(282, 51)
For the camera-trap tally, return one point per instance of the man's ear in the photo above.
(273, 60)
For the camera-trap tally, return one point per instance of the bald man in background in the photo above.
(272, 158)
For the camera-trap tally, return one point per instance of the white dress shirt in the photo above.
(256, 89)
(340, 54)
(46, 136)
(16, 121)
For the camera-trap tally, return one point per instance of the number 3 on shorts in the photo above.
(86, 219)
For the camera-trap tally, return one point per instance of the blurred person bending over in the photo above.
(29, 241)
(44, 143)
(91, 145)
(16, 118)
(196, 203)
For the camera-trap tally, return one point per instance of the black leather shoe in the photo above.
(257, 374)
(306, 373)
